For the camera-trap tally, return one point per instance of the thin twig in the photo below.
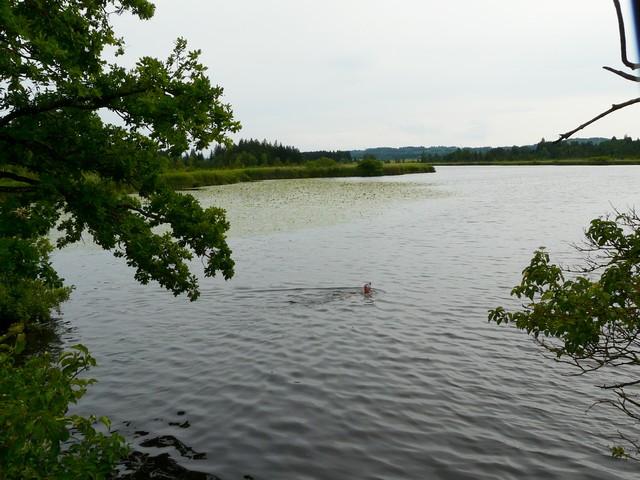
(624, 75)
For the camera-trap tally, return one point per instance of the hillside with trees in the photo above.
(386, 154)
(589, 149)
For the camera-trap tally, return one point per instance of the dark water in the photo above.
(289, 372)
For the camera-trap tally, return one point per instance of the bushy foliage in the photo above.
(64, 165)
(29, 286)
(39, 439)
(589, 316)
(66, 161)
(369, 168)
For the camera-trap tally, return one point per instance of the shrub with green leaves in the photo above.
(588, 315)
(39, 439)
(29, 286)
(370, 168)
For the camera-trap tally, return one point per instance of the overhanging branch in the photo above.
(19, 178)
(623, 38)
(615, 107)
(69, 102)
(6, 189)
(18, 188)
(144, 213)
(626, 76)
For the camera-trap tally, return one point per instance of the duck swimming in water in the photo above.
(367, 288)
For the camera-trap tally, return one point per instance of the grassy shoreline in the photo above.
(186, 179)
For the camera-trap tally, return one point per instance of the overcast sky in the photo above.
(352, 74)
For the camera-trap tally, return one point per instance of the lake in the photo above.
(288, 372)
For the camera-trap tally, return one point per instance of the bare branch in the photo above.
(613, 108)
(620, 385)
(623, 38)
(626, 76)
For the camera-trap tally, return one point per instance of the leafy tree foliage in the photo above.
(62, 164)
(370, 167)
(39, 439)
(29, 286)
(252, 153)
(61, 161)
(590, 316)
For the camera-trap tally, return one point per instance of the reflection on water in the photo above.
(47, 336)
(289, 371)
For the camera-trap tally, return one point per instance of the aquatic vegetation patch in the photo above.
(289, 205)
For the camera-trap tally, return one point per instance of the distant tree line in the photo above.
(255, 153)
(625, 148)
(340, 156)
(389, 154)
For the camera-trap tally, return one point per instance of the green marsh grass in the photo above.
(187, 179)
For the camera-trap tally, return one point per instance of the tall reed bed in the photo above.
(183, 180)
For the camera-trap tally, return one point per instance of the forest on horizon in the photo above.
(255, 153)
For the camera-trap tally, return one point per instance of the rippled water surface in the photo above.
(288, 372)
